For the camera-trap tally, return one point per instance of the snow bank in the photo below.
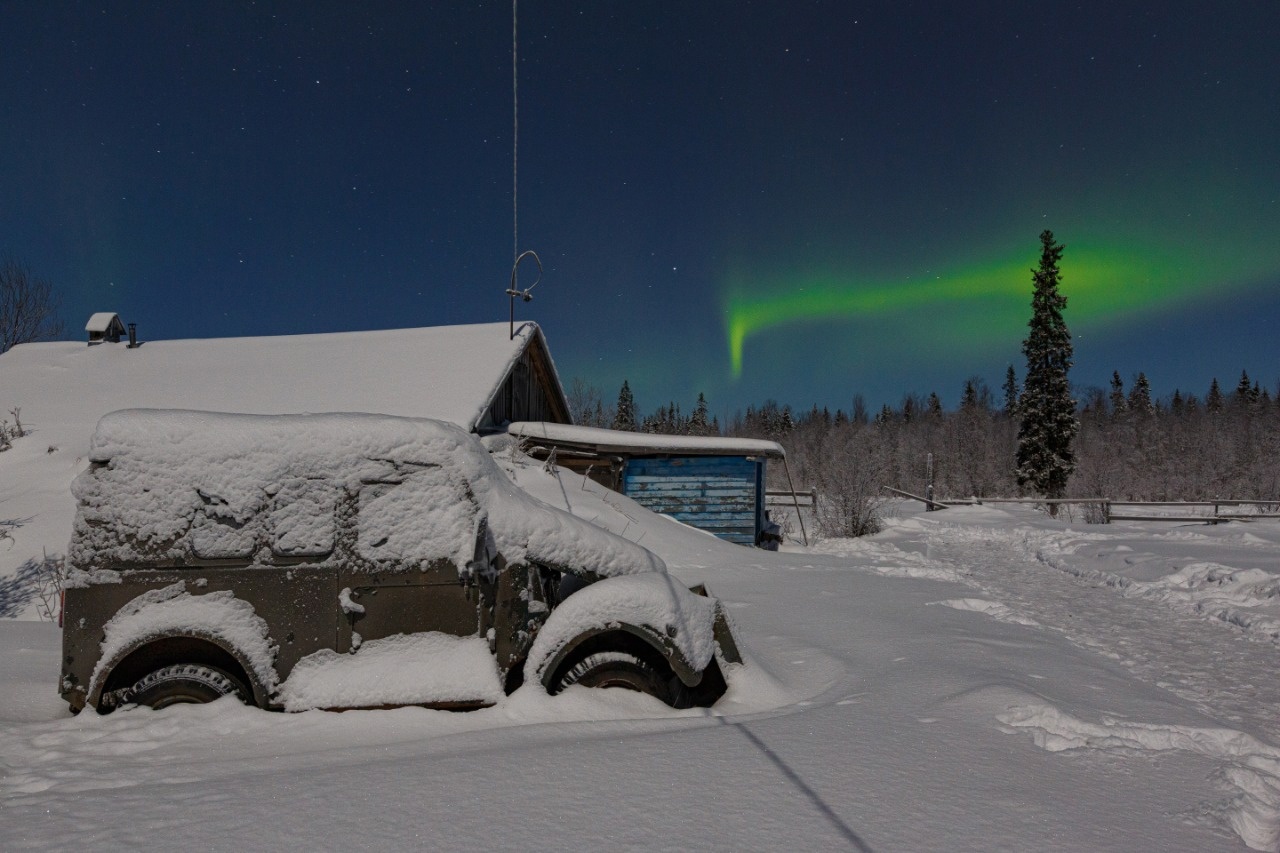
(1249, 765)
(407, 669)
(994, 609)
(182, 485)
(1246, 598)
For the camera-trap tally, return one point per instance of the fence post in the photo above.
(928, 483)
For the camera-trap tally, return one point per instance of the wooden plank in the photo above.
(678, 474)
(1042, 500)
(660, 476)
(1203, 519)
(690, 515)
(700, 466)
(658, 493)
(704, 507)
(924, 501)
(1170, 503)
(722, 520)
(726, 489)
(736, 503)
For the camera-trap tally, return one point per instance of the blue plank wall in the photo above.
(723, 495)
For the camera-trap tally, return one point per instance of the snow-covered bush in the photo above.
(9, 433)
(50, 574)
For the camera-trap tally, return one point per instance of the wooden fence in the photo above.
(1105, 507)
(787, 501)
(782, 497)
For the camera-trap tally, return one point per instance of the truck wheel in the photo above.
(185, 684)
(625, 670)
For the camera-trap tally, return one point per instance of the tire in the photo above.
(185, 684)
(625, 670)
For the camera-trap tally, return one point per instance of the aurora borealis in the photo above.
(792, 200)
(1106, 285)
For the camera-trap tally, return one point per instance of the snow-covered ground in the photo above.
(970, 679)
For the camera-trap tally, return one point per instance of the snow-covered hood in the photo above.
(173, 484)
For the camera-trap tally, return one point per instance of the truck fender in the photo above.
(171, 616)
(547, 668)
(162, 649)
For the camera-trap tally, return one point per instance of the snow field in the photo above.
(896, 697)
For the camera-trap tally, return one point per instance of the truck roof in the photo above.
(167, 484)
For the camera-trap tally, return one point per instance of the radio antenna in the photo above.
(513, 291)
(525, 294)
(515, 136)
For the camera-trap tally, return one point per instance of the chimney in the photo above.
(133, 336)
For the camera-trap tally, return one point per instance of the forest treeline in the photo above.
(1130, 445)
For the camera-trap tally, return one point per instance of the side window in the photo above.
(424, 517)
(302, 518)
(221, 531)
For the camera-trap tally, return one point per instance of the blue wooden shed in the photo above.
(723, 495)
(712, 483)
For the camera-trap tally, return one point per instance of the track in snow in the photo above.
(1217, 666)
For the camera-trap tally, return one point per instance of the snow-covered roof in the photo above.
(451, 373)
(102, 321)
(639, 443)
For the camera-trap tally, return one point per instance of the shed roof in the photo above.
(612, 441)
(102, 321)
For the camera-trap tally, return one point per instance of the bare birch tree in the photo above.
(28, 307)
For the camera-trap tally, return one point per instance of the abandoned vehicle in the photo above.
(354, 561)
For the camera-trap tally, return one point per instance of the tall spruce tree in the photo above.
(1244, 390)
(698, 422)
(1119, 405)
(625, 418)
(1213, 400)
(1010, 393)
(1140, 396)
(1048, 425)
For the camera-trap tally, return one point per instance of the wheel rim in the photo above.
(180, 699)
(619, 680)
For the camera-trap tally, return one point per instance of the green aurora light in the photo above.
(1102, 283)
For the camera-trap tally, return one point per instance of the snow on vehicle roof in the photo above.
(620, 441)
(167, 484)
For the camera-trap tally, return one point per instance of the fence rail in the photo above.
(1107, 505)
(807, 499)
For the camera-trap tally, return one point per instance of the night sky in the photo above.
(789, 200)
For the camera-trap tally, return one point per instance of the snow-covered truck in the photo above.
(354, 561)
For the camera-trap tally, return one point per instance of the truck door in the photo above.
(413, 533)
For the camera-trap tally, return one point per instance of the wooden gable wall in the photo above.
(530, 392)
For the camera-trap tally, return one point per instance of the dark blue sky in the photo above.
(210, 169)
